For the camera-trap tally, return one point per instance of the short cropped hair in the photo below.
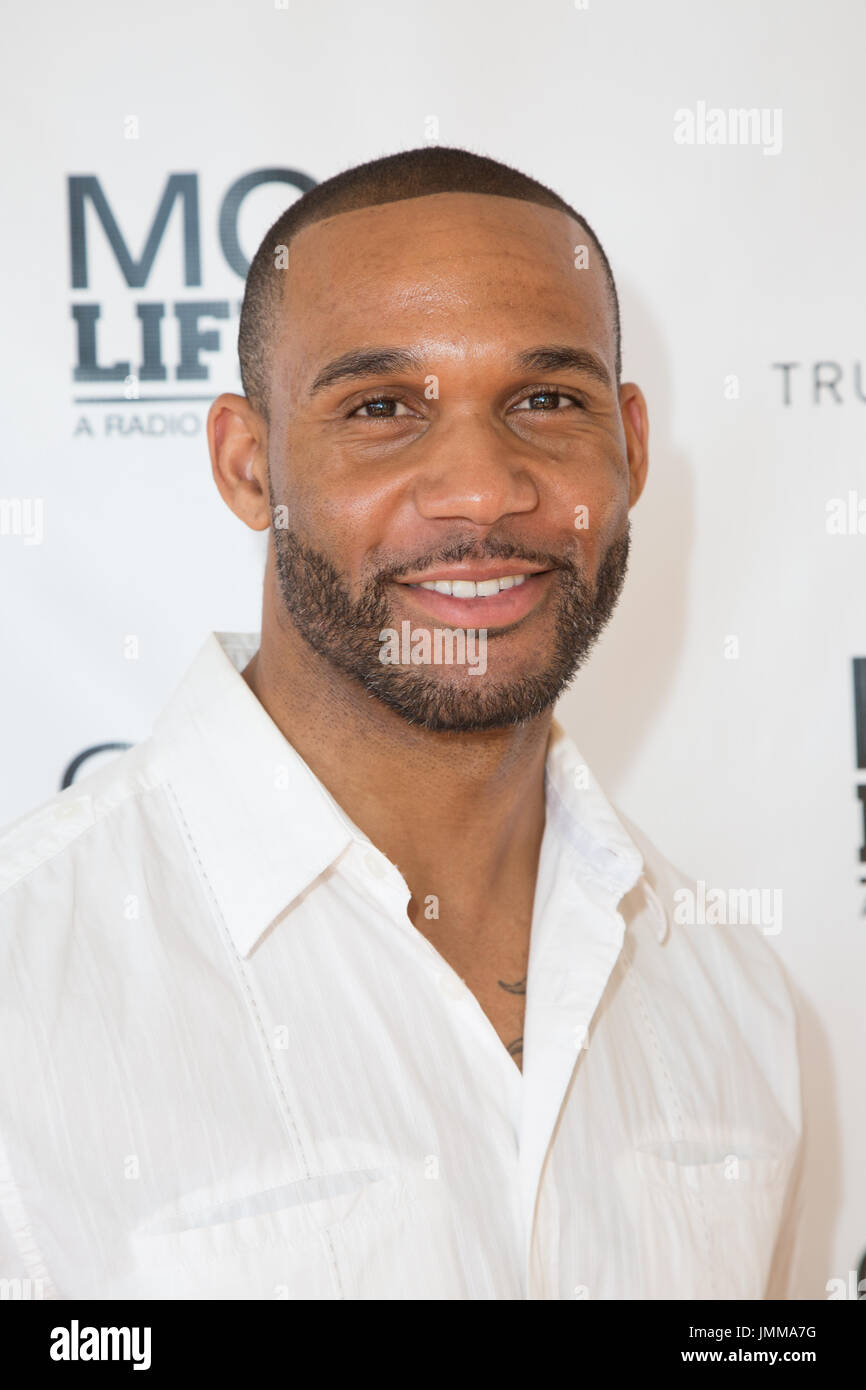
(407, 174)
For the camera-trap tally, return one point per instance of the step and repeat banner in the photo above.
(715, 149)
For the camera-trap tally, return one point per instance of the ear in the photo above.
(237, 438)
(636, 425)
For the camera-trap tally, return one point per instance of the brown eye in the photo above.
(547, 400)
(379, 408)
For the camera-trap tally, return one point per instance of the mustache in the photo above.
(470, 550)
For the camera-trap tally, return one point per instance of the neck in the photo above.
(465, 810)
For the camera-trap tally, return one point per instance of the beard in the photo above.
(345, 631)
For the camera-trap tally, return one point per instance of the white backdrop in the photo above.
(118, 556)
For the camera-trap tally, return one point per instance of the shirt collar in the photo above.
(264, 827)
(584, 816)
(602, 851)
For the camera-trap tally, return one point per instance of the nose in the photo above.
(473, 473)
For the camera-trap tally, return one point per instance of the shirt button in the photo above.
(375, 865)
(451, 987)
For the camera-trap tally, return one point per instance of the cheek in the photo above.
(352, 526)
(362, 519)
(591, 503)
(330, 512)
(344, 527)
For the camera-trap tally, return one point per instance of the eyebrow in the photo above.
(361, 362)
(366, 362)
(565, 359)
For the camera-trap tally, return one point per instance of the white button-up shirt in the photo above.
(233, 1068)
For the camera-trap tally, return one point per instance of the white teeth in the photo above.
(468, 588)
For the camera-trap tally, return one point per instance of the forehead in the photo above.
(451, 265)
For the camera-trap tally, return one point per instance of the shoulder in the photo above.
(729, 924)
(64, 829)
(713, 977)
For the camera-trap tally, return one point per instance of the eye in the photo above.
(380, 408)
(552, 399)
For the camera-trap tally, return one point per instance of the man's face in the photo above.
(466, 455)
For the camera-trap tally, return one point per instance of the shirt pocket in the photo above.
(294, 1242)
(708, 1229)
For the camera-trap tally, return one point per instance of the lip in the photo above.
(475, 569)
(490, 610)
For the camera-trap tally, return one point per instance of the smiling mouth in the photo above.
(495, 602)
(473, 588)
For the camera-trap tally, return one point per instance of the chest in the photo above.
(493, 967)
(504, 1002)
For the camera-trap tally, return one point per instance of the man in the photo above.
(349, 982)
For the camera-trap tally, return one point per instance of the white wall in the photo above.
(728, 260)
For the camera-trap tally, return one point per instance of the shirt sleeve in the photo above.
(22, 1269)
(788, 1277)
